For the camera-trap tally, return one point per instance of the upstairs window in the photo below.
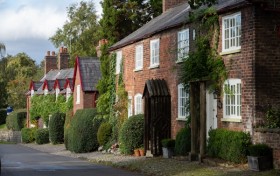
(118, 61)
(154, 52)
(232, 98)
(183, 44)
(231, 32)
(78, 94)
(129, 107)
(138, 104)
(138, 57)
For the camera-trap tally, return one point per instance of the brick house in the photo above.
(248, 43)
(56, 69)
(86, 76)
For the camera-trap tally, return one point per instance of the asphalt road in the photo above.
(17, 160)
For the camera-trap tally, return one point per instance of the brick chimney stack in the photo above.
(98, 48)
(63, 58)
(50, 61)
(168, 4)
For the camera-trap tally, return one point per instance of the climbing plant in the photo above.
(204, 63)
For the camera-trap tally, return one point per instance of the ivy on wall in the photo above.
(43, 106)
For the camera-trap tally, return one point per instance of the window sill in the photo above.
(138, 69)
(238, 120)
(77, 103)
(153, 66)
(230, 52)
(179, 61)
(181, 119)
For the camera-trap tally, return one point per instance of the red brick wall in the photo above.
(267, 60)
(168, 70)
(81, 104)
(271, 139)
(167, 4)
(241, 65)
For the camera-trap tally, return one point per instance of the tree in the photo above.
(2, 50)
(19, 71)
(80, 31)
(197, 3)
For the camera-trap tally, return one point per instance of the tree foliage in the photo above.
(2, 50)
(80, 31)
(197, 3)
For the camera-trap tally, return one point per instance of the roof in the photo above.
(171, 18)
(156, 87)
(59, 74)
(35, 85)
(49, 84)
(89, 68)
(59, 83)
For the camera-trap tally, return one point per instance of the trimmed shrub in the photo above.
(168, 143)
(80, 133)
(228, 145)
(28, 135)
(16, 120)
(183, 141)
(104, 133)
(3, 115)
(68, 119)
(259, 150)
(42, 136)
(56, 128)
(132, 134)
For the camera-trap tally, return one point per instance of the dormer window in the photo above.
(57, 92)
(32, 92)
(46, 91)
(68, 93)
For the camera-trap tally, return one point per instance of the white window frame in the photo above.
(68, 93)
(139, 57)
(154, 53)
(118, 61)
(129, 107)
(232, 105)
(231, 38)
(138, 104)
(183, 97)
(78, 94)
(46, 91)
(193, 34)
(56, 92)
(32, 92)
(183, 39)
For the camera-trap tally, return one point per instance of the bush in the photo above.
(168, 143)
(16, 120)
(132, 134)
(80, 132)
(260, 150)
(3, 115)
(183, 141)
(42, 136)
(56, 128)
(104, 133)
(28, 135)
(228, 145)
(68, 119)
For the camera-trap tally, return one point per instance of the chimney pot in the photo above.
(61, 49)
(65, 50)
(48, 53)
(53, 53)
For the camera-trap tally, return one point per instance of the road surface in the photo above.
(17, 160)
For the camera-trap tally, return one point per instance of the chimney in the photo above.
(98, 48)
(63, 58)
(50, 61)
(168, 4)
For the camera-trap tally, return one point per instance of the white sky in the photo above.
(26, 25)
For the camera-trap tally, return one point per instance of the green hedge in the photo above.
(56, 128)
(3, 115)
(16, 120)
(80, 134)
(28, 135)
(228, 145)
(42, 136)
(104, 133)
(132, 134)
(183, 141)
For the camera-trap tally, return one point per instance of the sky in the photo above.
(27, 25)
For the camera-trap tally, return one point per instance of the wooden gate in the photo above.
(157, 115)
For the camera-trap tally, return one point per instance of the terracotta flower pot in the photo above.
(136, 152)
(142, 152)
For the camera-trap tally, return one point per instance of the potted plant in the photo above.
(142, 151)
(136, 152)
(168, 147)
(260, 157)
